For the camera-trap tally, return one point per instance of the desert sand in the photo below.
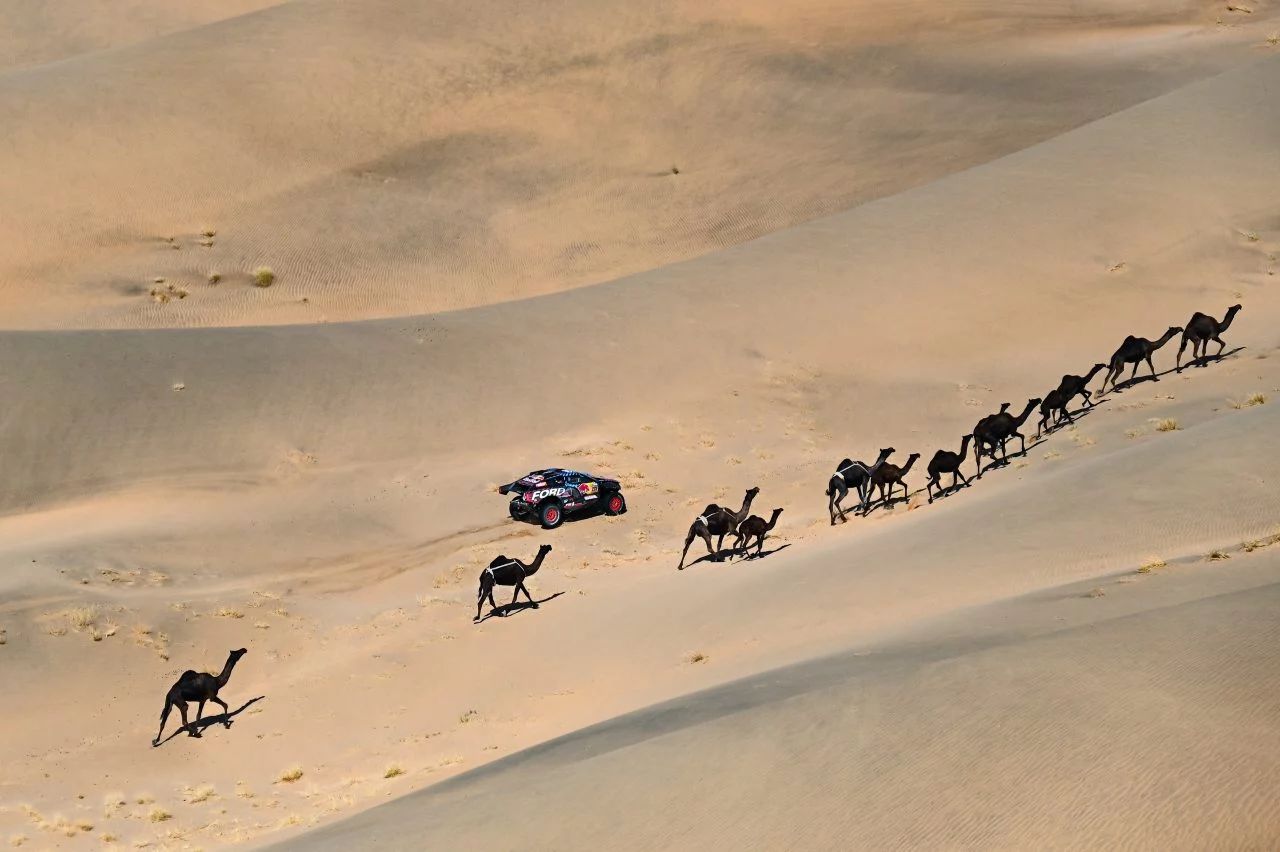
(882, 222)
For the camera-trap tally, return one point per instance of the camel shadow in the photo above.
(1003, 462)
(219, 719)
(762, 554)
(1198, 362)
(1205, 360)
(519, 606)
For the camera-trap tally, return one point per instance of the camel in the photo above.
(1202, 328)
(198, 686)
(1135, 350)
(981, 424)
(1056, 404)
(945, 461)
(996, 430)
(889, 475)
(505, 571)
(718, 521)
(755, 527)
(852, 474)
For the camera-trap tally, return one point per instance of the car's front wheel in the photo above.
(551, 514)
(614, 505)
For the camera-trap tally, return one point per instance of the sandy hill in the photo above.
(417, 157)
(1085, 633)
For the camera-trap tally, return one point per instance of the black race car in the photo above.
(546, 496)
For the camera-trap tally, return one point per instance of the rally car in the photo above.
(546, 496)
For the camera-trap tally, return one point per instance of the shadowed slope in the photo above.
(1121, 727)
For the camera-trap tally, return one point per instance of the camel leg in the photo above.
(1177, 363)
(688, 540)
(164, 717)
(1221, 345)
(226, 711)
(833, 501)
(928, 486)
(1153, 368)
(1088, 397)
(520, 587)
(493, 604)
(182, 708)
(760, 545)
(480, 593)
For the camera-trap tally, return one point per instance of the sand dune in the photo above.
(1121, 726)
(414, 158)
(1070, 653)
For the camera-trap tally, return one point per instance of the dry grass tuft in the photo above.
(17, 839)
(228, 612)
(290, 775)
(203, 793)
(1096, 592)
(82, 617)
(467, 717)
(1249, 546)
(392, 771)
(1167, 424)
(158, 814)
(3, 636)
(111, 803)
(263, 277)
(215, 277)
(1132, 433)
(1153, 564)
(1216, 556)
(698, 658)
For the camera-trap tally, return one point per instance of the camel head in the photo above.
(886, 452)
(752, 492)
(545, 548)
(239, 652)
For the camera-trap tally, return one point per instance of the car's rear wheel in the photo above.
(551, 514)
(614, 505)
(511, 507)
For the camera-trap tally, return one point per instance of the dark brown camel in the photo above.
(852, 474)
(198, 686)
(1202, 328)
(1057, 403)
(1135, 350)
(755, 527)
(718, 521)
(995, 431)
(505, 571)
(945, 461)
(982, 424)
(890, 475)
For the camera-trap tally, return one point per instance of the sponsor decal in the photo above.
(588, 488)
(539, 494)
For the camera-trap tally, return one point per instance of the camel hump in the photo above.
(189, 674)
(499, 560)
(711, 509)
(844, 463)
